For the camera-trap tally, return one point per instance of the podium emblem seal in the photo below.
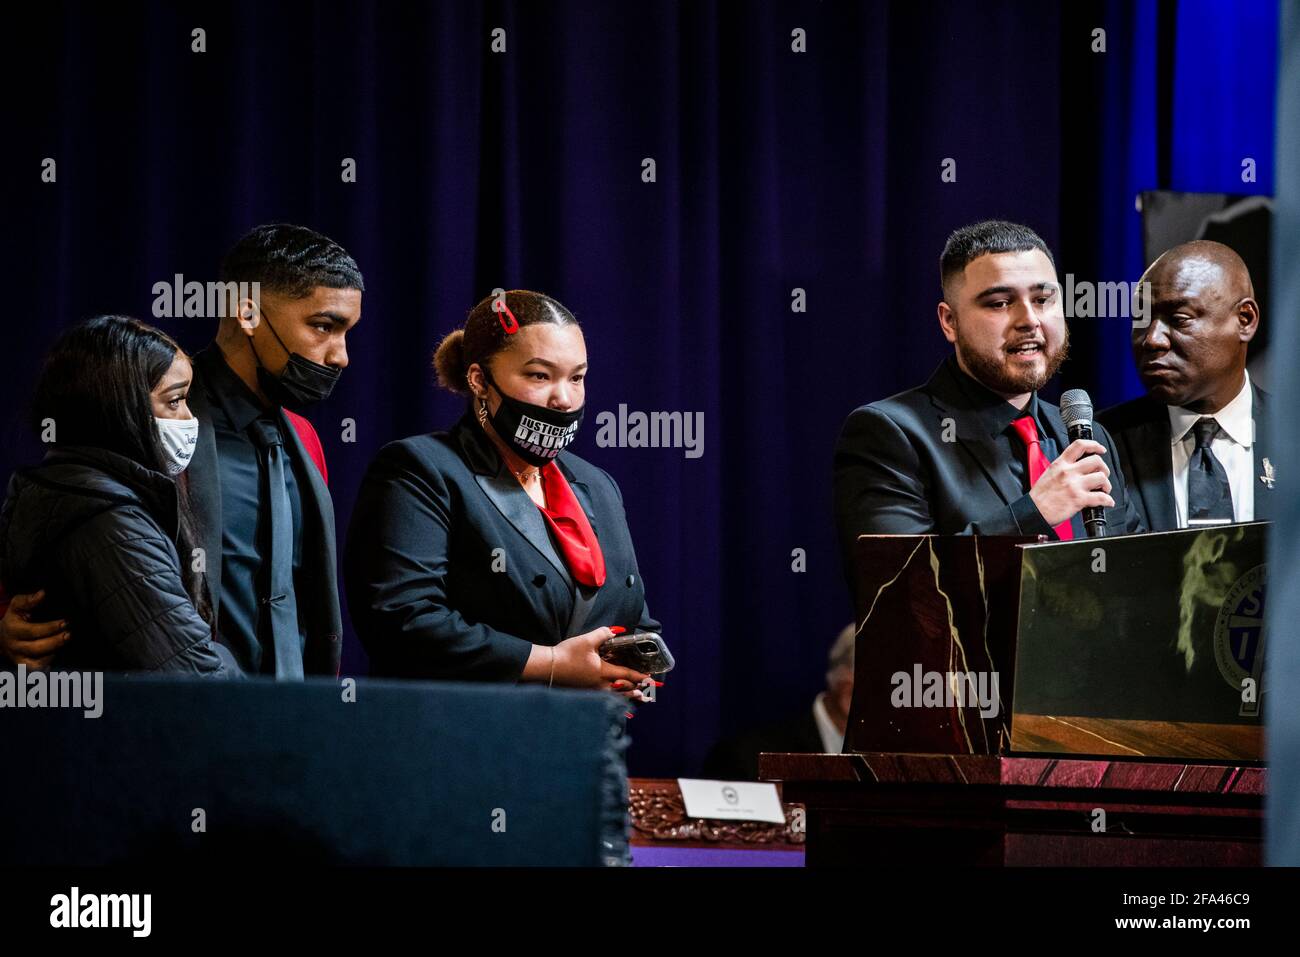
(1239, 635)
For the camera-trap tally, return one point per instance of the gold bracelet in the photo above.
(550, 681)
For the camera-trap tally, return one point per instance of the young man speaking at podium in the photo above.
(976, 450)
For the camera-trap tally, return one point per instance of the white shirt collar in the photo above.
(1235, 418)
(832, 737)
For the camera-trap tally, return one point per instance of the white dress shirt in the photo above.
(1232, 446)
(832, 737)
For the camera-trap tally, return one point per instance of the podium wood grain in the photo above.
(884, 809)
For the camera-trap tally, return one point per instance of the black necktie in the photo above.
(279, 599)
(1209, 496)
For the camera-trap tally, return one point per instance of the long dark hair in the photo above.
(95, 391)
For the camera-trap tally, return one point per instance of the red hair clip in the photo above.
(513, 326)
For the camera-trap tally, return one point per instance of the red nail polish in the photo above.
(659, 684)
(628, 713)
(618, 629)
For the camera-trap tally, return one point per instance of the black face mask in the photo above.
(301, 383)
(535, 433)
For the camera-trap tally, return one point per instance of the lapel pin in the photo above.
(1269, 476)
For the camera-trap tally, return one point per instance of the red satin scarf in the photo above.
(564, 514)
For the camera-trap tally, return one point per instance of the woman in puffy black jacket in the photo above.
(102, 524)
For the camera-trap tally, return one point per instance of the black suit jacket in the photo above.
(1141, 427)
(895, 474)
(319, 616)
(451, 572)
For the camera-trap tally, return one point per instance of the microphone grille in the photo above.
(1076, 407)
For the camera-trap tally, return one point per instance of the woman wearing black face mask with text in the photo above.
(488, 552)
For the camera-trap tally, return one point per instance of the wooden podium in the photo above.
(1093, 702)
(996, 810)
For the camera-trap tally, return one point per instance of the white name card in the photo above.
(732, 800)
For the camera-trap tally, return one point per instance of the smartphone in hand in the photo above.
(642, 651)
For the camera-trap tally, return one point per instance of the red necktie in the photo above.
(578, 543)
(1027, 429)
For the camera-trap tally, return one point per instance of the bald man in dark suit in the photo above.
(1195, 448)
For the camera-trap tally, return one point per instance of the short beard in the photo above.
(999, 379)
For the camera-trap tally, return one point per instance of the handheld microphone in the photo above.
(1076, 411)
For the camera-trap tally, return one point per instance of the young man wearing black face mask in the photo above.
(259, 482)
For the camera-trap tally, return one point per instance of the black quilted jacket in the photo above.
(97, 531)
